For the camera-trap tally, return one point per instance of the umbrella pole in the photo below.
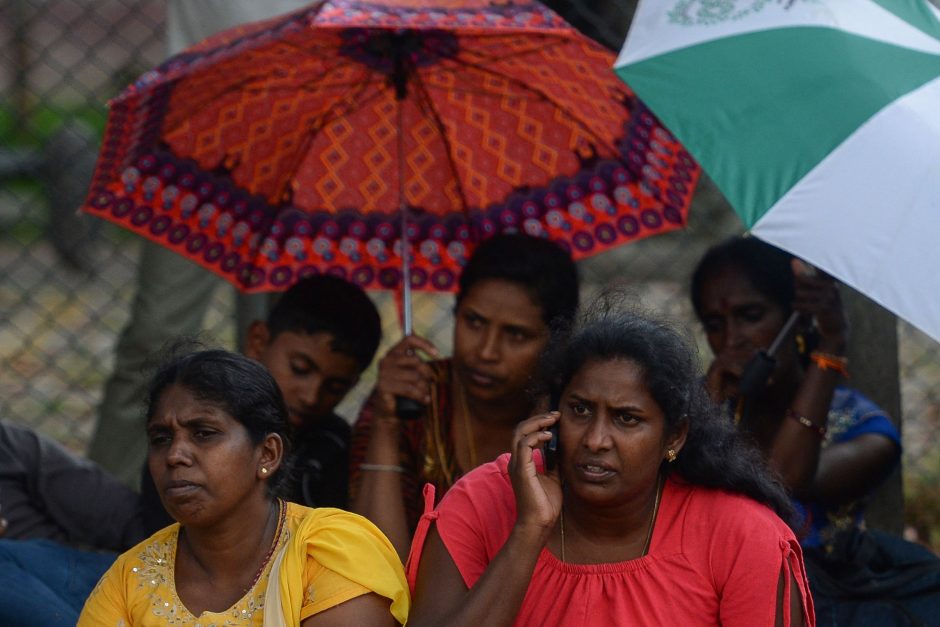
(405, 242)
(405, 408)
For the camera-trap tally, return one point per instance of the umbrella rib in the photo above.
(327, 118)
(550, 41)
(484, 57)
(245, 82)
(438, 122)
(483, 92)
(244, 85)
(540, 95)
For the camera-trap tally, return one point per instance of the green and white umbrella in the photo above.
(820, 122)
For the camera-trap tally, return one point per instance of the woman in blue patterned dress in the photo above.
(831, 445)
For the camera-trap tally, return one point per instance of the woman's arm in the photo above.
(441, 594)
(756, 565)
(849, 470)
(368, 609)
(840, 472)
(442, 598)
(795, 602)
(378, 492)
(796, 448)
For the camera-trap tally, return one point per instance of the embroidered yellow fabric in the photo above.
(139, 589)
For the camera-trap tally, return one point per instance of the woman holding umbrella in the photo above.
(512, 291)
(216, 426)
(657, 513)
(830, 444)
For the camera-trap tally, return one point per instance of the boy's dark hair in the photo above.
(327, 304)
(542, 267)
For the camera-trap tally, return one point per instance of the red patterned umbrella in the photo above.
(291, 146)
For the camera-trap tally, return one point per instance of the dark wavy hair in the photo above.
(543, 268)
(715, 454)
(327, 304)
(240, 386)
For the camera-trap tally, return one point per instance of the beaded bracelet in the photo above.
(828, 361)
(382, 467)
(806, 422)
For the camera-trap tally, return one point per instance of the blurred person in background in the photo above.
(62, 521)
(513, 291)
(173, 293)
(831, 445)
(319, 336)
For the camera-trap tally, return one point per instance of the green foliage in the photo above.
(43, 120)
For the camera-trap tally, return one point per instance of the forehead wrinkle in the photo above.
(194, 412)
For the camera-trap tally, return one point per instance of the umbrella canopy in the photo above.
(819, 121)
(291, 146)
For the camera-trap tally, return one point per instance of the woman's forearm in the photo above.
(379, 495)
(796, 448)
(495, 599)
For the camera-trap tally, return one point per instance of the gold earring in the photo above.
(671, 455)
(800, 344)
(264, 471)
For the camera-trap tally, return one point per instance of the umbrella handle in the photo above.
(408, 408)
(758, 370)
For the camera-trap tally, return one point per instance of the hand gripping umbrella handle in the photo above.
(408, 408)
(761, 366)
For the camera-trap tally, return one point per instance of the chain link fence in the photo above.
(67, 280)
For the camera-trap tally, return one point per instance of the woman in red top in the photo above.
(658, 513)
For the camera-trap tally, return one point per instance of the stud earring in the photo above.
(671, 455)
(800, 343)
(264, 471)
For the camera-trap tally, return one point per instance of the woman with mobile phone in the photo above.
(658, 513)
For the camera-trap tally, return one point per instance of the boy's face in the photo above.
(312, 376)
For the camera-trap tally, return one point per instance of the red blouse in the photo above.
(715, 559)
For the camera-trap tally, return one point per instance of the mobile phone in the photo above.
(551, 448)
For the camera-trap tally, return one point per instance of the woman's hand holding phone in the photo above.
(538, 495)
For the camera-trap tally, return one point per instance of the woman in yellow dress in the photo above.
(216, 425)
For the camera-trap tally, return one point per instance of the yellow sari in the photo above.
(324, 557)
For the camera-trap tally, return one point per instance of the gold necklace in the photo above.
(281, 515)
(649, 530)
